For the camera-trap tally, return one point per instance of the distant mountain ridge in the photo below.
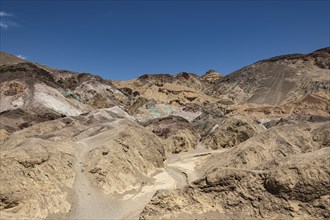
(276, 80)
(6, 58)
(273, 81)
(252, 144)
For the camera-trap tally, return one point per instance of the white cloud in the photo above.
(3, 25)
(22, 57)
(5, 14)
(6, 24)
(6, 20)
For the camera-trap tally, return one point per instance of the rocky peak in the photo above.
(211, 76)
(6, 58)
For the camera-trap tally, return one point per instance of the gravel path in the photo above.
(91, 203)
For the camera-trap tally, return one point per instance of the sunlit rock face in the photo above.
(251, 144)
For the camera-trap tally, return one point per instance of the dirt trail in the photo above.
(182, 166)
(91, 203)
(179, 171)
(179, 176)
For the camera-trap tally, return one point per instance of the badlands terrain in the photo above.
(251, 144)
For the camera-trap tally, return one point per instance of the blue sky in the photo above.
(125, 39)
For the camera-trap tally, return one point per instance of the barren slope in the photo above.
(280, 173)
(276, 80)
(253, 144)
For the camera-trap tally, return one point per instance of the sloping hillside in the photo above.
(252, 144)
(277, 80)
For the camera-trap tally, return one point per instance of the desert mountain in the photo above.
(211, 76)
(162, 94)
(277, 80)
(32, 93)
(6, 58)
(251, 144)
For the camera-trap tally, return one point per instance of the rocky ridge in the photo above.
(252, 144)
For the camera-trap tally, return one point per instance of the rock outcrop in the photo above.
(177, 133)
(211, 76)
(286, 176)
(225, 132)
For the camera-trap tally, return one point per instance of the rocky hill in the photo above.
(211, 76)
(277, 80)
(251, 144)
(32, 93)
(6, 58)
